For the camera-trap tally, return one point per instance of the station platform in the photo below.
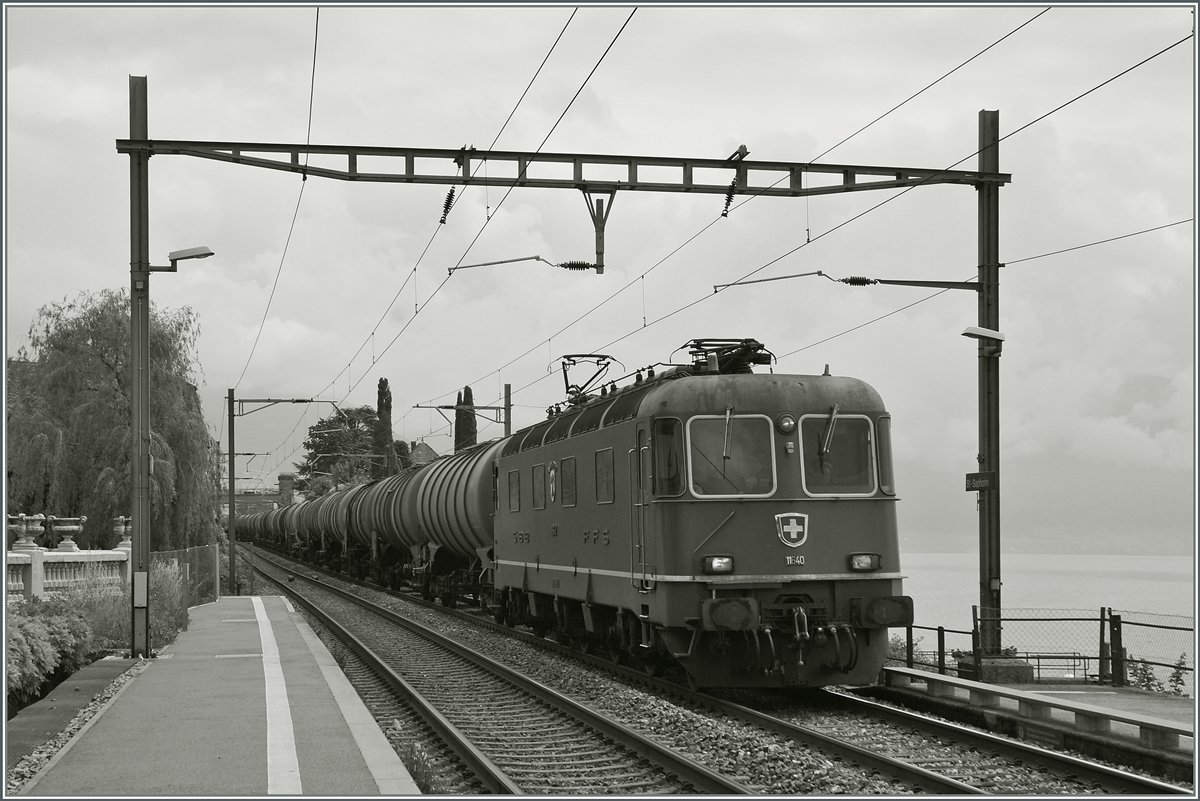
(247, 702)
(1180, 709)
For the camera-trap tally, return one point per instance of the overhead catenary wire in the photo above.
(412, 274)
(418, 308)
(859, 216)
(729, 198)
(854, 219)
(510, 189)
(296, 211)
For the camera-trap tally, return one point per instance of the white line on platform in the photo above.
(389, 773)
(283, 766)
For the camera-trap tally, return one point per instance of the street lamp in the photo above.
(141, 465)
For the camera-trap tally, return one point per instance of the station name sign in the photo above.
(982, 481)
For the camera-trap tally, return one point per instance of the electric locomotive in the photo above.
(742, 525)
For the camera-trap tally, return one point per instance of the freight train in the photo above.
(740, 525)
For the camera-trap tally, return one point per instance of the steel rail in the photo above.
(701, 778)
(1111, 778)
(495, 779)
(926, 780)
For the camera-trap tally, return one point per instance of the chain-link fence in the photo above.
(1136, 649)
(200, 568)
(1151, 651)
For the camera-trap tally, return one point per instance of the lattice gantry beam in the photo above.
(589, 173)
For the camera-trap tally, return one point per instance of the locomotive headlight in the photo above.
(717, 565)
(864, 561)
(786, 424)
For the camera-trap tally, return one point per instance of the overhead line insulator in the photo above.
(729, 197)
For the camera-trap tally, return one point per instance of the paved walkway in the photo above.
(248, 701)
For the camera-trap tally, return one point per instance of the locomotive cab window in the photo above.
(668, 457)
(837, 454)
(514, 490)
(539, 486)
(887, 479)
(604, 476)
(731, 455)
(567, 476)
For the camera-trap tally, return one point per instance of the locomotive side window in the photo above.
(836, 455)
(514, 490)
(604, 476)
(668, 457)
(539, 486)
(731, 455)
(566, 472)
(887, 478)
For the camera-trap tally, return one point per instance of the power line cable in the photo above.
(503, 126)
(868, 211)
(753, 197)
(930, 86)
(510, 189)
(296, 211)
(437, 229)
(1006, 264)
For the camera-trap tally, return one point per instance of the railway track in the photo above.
(912, 751)
(517, 736)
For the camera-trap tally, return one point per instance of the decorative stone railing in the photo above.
(33, 570)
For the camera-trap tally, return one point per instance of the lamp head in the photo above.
(202, 252)
(975, 332)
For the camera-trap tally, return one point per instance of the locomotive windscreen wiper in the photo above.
(828, 439)
(728, 425)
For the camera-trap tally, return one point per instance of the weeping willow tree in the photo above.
(68, 414)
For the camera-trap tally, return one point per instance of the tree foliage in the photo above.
(403, 454)
(339, 450)
(68, 413)
(466, 427)
(381, 468)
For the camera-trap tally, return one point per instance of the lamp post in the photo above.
(141, 463)
(139, 298)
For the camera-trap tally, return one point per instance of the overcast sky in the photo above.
(1098, 370)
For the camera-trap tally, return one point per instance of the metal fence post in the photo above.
(1104, 670)
(187, 588)
(942, 650)
(976, 650)
(1118, 651)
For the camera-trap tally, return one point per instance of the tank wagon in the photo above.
(739, 524)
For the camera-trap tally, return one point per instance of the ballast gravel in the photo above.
(767, 763)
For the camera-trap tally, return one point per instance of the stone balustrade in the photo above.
(33, 570)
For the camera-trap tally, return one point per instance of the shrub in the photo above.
(1175, 682)
(43, 639)
(1141, 674)
(168, 615)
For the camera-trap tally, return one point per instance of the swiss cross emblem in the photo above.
(793, 528)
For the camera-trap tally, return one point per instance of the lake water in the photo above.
(944, 586)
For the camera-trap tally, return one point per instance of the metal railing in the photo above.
(1154, 652)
